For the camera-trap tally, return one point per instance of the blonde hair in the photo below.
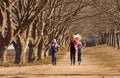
(78, 37)
(54, 40)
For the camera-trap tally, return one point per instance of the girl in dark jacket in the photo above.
(54, 48)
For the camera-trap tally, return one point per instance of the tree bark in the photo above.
(18, 51)
(24, 47)
(118, 40)
(4, 54)
(30, 54)
(40, 50)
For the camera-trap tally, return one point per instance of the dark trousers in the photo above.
(72, 56)
(53, 56)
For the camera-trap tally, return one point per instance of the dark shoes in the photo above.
(79, 62)
(54, 63)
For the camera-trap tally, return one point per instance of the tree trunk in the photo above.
(110, 39)
(23, 55)
(17, 56)
(18, 53)
(40, 50)
(35, 49)
(30, 55)
(4, 55)
(1, 46)
(114, 40)
(118, 41)
(24, 47)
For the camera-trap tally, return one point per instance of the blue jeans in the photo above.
(79, 54)
(53, 56)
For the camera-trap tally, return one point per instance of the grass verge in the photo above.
(45, 61)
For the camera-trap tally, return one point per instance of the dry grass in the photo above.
(45, 61)
(104, 55)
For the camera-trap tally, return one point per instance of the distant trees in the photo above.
(111, 11)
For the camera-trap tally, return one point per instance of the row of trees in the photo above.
(30, 25)
(111, 16)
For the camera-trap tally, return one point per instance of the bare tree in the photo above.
(11, 27)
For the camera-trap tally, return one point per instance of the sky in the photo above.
(11, 47)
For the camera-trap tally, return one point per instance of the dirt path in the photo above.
(98, 62)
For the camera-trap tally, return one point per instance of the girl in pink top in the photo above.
(80, 46)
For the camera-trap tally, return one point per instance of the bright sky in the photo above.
(11, 47)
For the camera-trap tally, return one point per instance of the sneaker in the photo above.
(55, 62)
(79, 62)
(52, 63)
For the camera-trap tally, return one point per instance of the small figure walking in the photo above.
(54, 48)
